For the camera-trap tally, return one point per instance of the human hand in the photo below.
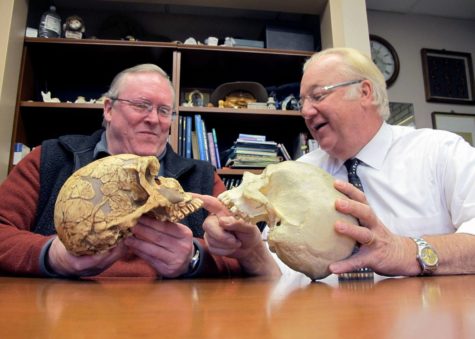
(64, 263)
(227, 236)
(384, 252)
(166, 246)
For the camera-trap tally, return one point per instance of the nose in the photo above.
(307, 110)
(152, 116)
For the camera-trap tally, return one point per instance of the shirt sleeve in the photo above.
(20, 248)
(459, 187)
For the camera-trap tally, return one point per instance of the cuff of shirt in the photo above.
(45, 269)
(467, 227)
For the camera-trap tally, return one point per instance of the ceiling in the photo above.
(460, 9)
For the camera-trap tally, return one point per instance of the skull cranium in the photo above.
(297, 202)
(99, 204)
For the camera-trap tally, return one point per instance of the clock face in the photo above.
(429, 257)
(385, 57)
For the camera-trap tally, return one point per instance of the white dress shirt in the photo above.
(417, 181)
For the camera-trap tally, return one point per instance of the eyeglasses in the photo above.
(324, 91)
(145, 107)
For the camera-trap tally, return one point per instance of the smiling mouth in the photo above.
(317, 127)
(148, 133)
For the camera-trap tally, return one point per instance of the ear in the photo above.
(367, 91)
(108, 109)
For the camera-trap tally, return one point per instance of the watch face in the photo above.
(429, 257)
(385, 57)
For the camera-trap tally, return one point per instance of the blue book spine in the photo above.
(216, 149)
(188, 137)
(199, 135)
(205, 141)
(180, 135)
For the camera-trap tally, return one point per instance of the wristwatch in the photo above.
(195, 260)
(426, 256)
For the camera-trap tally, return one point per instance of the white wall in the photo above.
(12, 30)
(408, 34)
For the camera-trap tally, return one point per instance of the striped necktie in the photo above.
(353, 178)
(352, 166)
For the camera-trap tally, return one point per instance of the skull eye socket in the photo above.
(278, 223)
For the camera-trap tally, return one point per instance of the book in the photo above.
(257, 144)
(284, 152)
(212, 150)
(20, 151)
(205, 140)
(188, 137)
(180, 135)
(194, 146)
(251, 137)
(215, 139)
(312, 145)
(199, 135)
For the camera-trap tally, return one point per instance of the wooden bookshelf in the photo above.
(92, 63)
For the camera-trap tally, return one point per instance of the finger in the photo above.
(361, 234)
(360, 211)
(221, 248)
(351, 264)
(214, 230)
(213, 204)
(350, 191)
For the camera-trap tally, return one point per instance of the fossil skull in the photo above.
(99, 204)
(297, 202)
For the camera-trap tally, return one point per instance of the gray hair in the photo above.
(113, 91)
(357, 65)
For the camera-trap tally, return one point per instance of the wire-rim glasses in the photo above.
(324, 91)
(145, 107)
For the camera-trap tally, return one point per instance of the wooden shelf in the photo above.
(92, 63)
(216, 110)
(234, 171)
(71, 105)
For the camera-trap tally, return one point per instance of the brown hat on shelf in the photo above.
(254, 88)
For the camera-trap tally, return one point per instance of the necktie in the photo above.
(353, 178)
(352, 165)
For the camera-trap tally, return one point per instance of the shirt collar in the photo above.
(101, 150)
(101, 147)
(375, 151)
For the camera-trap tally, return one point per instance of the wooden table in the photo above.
(421, 307)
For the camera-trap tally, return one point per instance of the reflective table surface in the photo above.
(291, 307)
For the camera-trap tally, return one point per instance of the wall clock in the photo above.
(385, 57)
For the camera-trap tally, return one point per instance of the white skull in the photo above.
(297, 200)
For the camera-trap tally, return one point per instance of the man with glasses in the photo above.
(138, 113)
(415, 199)
(412, 191)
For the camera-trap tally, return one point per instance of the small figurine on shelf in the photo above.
(74, 27)
(290, 103)
(50, 24)
(47, 97)
(271, 103)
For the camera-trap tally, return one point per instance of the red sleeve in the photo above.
(19, 247)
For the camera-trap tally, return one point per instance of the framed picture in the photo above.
(448, 76)
(195, 97)
(458, 123)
